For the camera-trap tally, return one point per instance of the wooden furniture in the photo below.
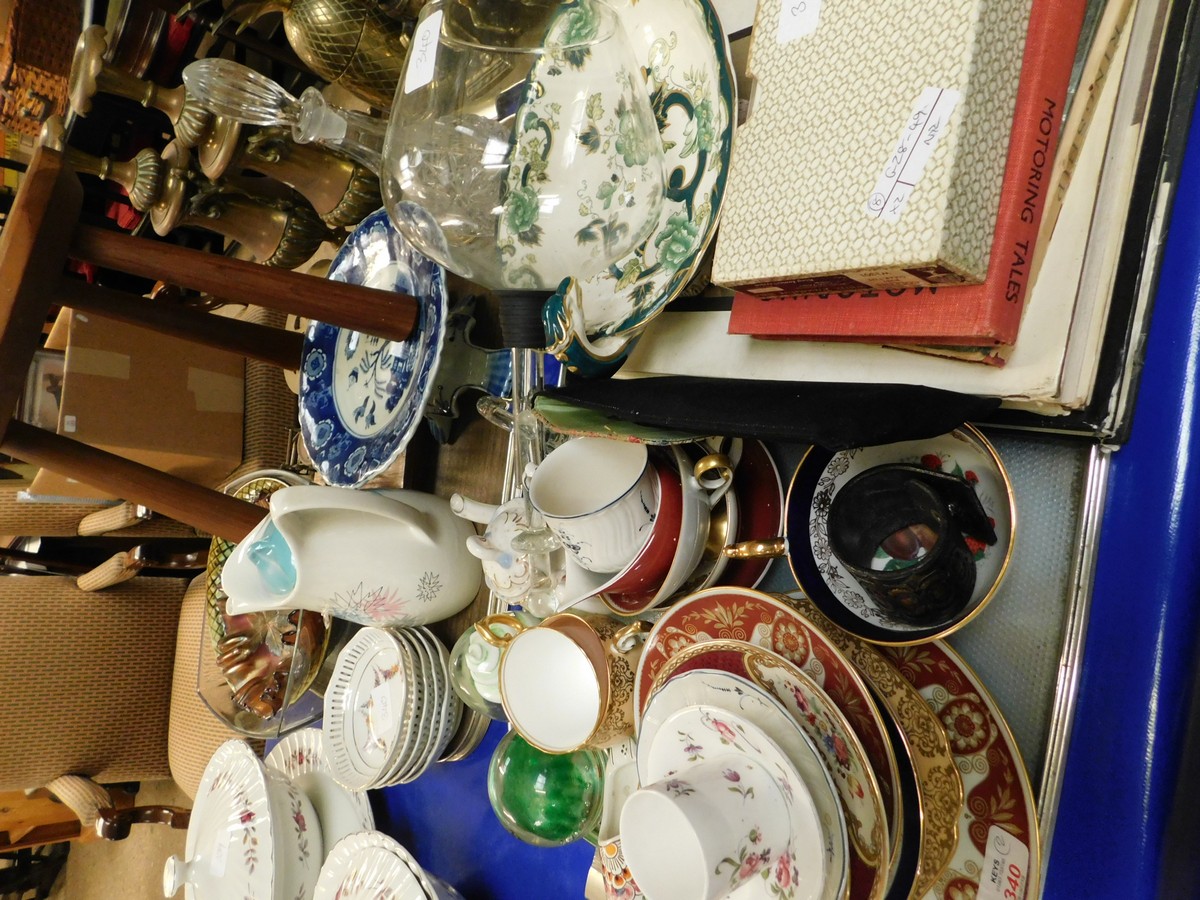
(43, 231)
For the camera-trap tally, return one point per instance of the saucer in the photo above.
(694, 733)
(362, 397)
(997, 828)
(356, 869)
(841, 752)
(368, 706)
(939, 783)
(357, 872)
(741, 614)
(301, 757)
(821, 474)
(760, 510)
(711, 687)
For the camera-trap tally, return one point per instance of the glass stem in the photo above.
(538, 542)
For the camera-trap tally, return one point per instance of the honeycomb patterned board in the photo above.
(832, 106)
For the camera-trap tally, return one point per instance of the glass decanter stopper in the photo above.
(231, 90)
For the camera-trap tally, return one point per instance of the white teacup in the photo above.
(702, 833)
(600, 497)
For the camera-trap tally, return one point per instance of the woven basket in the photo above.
(35, 62)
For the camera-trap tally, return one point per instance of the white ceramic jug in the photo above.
(386, 557)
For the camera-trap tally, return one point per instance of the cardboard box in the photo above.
(171, 404)
(875, 147)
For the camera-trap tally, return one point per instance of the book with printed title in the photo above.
(981, 315)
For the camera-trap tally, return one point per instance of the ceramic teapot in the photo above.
(384, 557)
(508, 571)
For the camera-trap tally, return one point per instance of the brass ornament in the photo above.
(341, 191)
(351, 43)
(141, 177)
(91, 75)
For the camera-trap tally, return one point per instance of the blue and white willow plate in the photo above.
(362, 397)
(684, 57)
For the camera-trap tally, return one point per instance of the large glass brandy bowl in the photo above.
(522, 149)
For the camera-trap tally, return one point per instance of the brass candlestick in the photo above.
(141, 177)
(91, 75)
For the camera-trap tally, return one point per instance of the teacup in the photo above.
(695, 521)
(567, 683)
(653, 561)
(702, 833)
(600, 497)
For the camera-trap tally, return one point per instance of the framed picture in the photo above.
(43, 390)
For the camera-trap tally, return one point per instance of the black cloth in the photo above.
(834, 415)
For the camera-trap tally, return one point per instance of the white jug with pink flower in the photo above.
(376, 557)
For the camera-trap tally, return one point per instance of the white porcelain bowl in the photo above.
(252, 833)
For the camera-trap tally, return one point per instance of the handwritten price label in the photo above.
(929, 121)
(220, 851)
(383, 720)
(798, 18)
(422, 53)
(1005, 874)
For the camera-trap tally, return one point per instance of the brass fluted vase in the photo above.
(341, 191)
(276, 233)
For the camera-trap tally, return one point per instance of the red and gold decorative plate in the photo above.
(997, 854)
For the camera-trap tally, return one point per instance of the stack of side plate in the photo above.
(389, 710)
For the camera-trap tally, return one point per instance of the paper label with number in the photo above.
(929, 121)
(1005, 872)
(422, 53)
(797, 18)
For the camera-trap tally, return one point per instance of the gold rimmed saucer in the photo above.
(939, 784)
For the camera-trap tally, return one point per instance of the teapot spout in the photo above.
(472, 510)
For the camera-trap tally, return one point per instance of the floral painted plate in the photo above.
(301, 757)
(742, 614)
(841, 751)
(687, 737)
(366, 866)
(740, 695)
(998, 847)
(821, 473)
(367, 708)
(362, 397)
(685, 58)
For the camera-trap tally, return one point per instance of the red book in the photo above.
(976, 315)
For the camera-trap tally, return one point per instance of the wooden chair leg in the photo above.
(384, 314)
(201, 507)
(271, 345)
